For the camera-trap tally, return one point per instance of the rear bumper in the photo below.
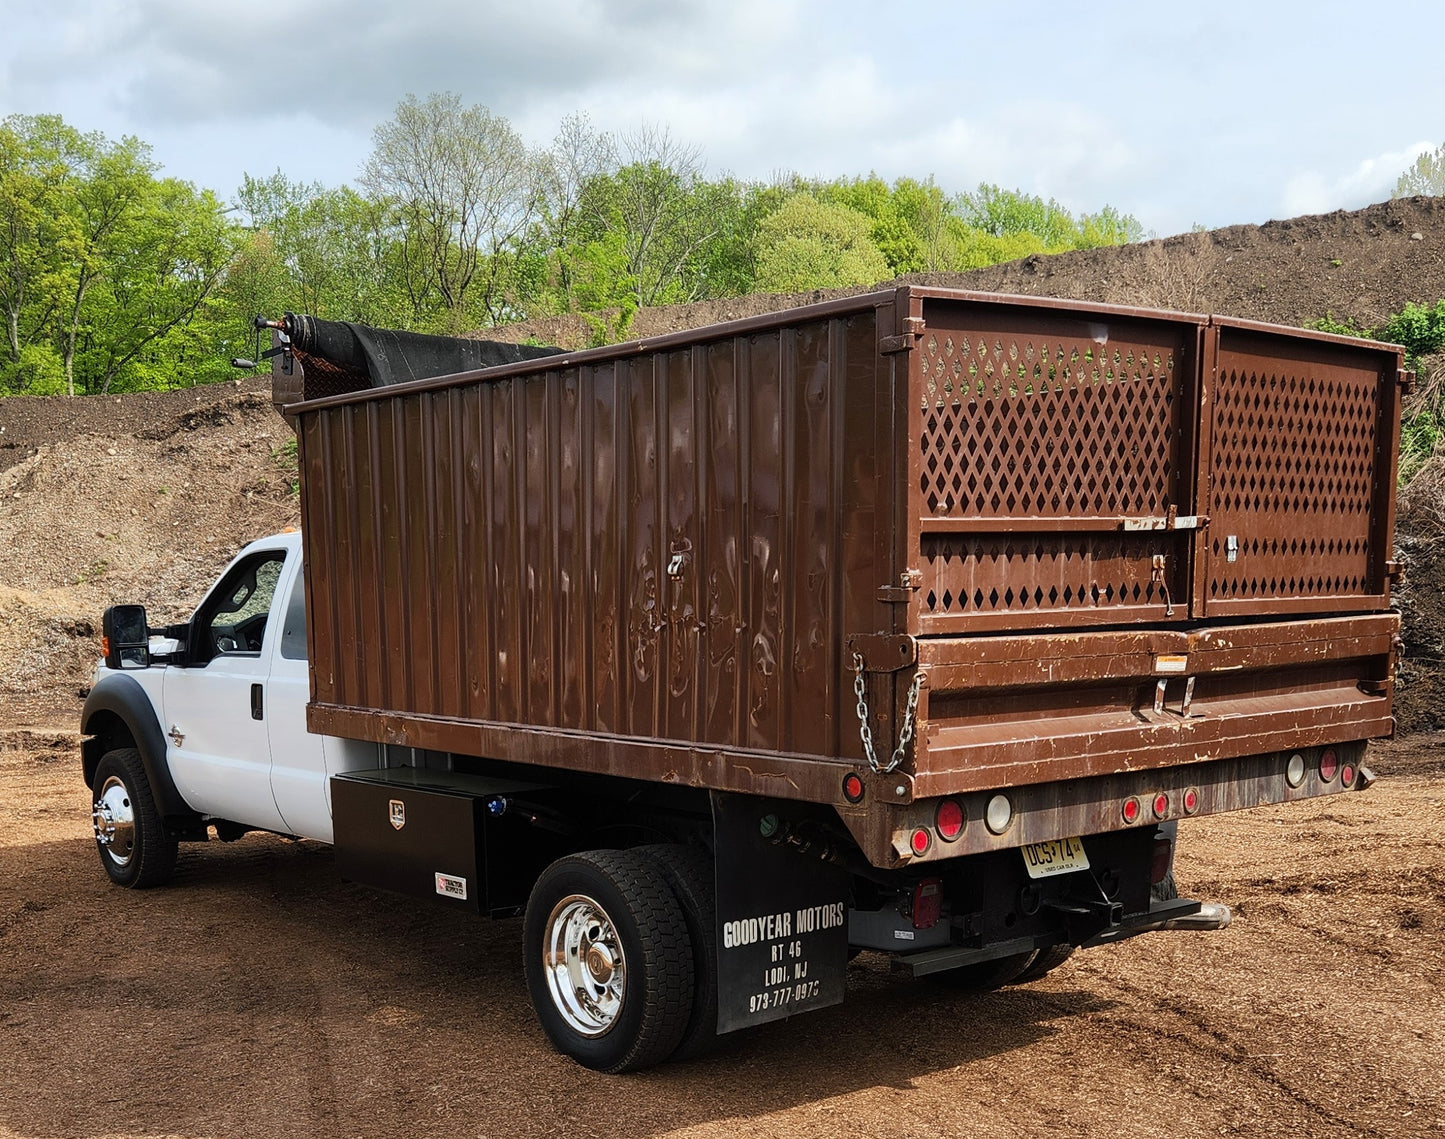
(1097, 805)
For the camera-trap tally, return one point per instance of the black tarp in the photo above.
(381, 357)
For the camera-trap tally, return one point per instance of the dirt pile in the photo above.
(140, 498)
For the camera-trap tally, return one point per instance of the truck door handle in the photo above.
(256, 702)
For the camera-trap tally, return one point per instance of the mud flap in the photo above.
(782, 914)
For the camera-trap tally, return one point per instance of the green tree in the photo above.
(463, 189)
(812, 244)
(312, 249)
(1425, 176)
(102, 260)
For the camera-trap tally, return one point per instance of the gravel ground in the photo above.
(258, 995)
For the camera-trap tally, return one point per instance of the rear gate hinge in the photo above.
(884, 652)
(910, 581)
(912, 330)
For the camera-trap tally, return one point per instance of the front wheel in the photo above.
(608, 959)
(129, 832)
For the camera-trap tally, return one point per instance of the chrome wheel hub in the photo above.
(585, 968)
(114, 821)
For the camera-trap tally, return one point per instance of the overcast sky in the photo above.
(1177, 113)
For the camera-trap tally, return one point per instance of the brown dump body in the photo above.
(1106, 539)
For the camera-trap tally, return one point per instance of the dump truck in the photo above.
(913, 622)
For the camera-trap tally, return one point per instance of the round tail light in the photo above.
(853, 787)
(1131, 809)
(1347, 775)
(920, 841)
(1294, 770)
(1191, 800)
(999, 815)
(1161, 805)
(949, 819)
(1329, 764)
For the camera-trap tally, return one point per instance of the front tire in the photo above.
(608, 960)
(130, 834)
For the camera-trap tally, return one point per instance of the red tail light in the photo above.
(927, 903)
(1131, 809)
(1161, 805)
(1347, 775)
(1191, 800)
(853, 787)
(1329, 764)
(921, 841)
(950, 819)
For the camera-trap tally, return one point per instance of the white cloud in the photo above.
(1311, 192)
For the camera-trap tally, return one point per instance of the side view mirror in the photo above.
(125, 637)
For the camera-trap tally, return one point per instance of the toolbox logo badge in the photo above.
(398, 813)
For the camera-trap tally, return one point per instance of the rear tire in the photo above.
(692, 875)
(986, 975)
(130, 834)
(1045, 961)
(608, 960)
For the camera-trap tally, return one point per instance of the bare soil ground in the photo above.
(260, 996)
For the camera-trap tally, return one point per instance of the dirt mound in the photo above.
(140, 498)
(1362, 265)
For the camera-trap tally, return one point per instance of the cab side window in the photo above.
(293, 628)
(233, 620)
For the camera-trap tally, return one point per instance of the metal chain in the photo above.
(865, 733)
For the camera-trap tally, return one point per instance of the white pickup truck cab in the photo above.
(214, 714)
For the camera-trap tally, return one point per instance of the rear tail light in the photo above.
(920, 841)
(949, 819)
(1131, 810)
(999, 814)
(853, 787)
(1347, 775)
(1329, 764)
(927, 903)
(1161, 805)
(1191, 800)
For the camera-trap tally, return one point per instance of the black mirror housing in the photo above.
(125, 637)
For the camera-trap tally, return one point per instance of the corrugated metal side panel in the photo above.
(500, 550)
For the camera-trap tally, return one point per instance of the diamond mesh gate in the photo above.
(1048, 466)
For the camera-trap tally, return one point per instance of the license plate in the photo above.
(1056, 856)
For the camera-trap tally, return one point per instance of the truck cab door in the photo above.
(220, 751)
(298, 757)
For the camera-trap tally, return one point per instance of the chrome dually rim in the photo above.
(114, 820)
(585, 967)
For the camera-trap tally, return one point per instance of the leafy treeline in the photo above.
(113, 278)
(1420, 329)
